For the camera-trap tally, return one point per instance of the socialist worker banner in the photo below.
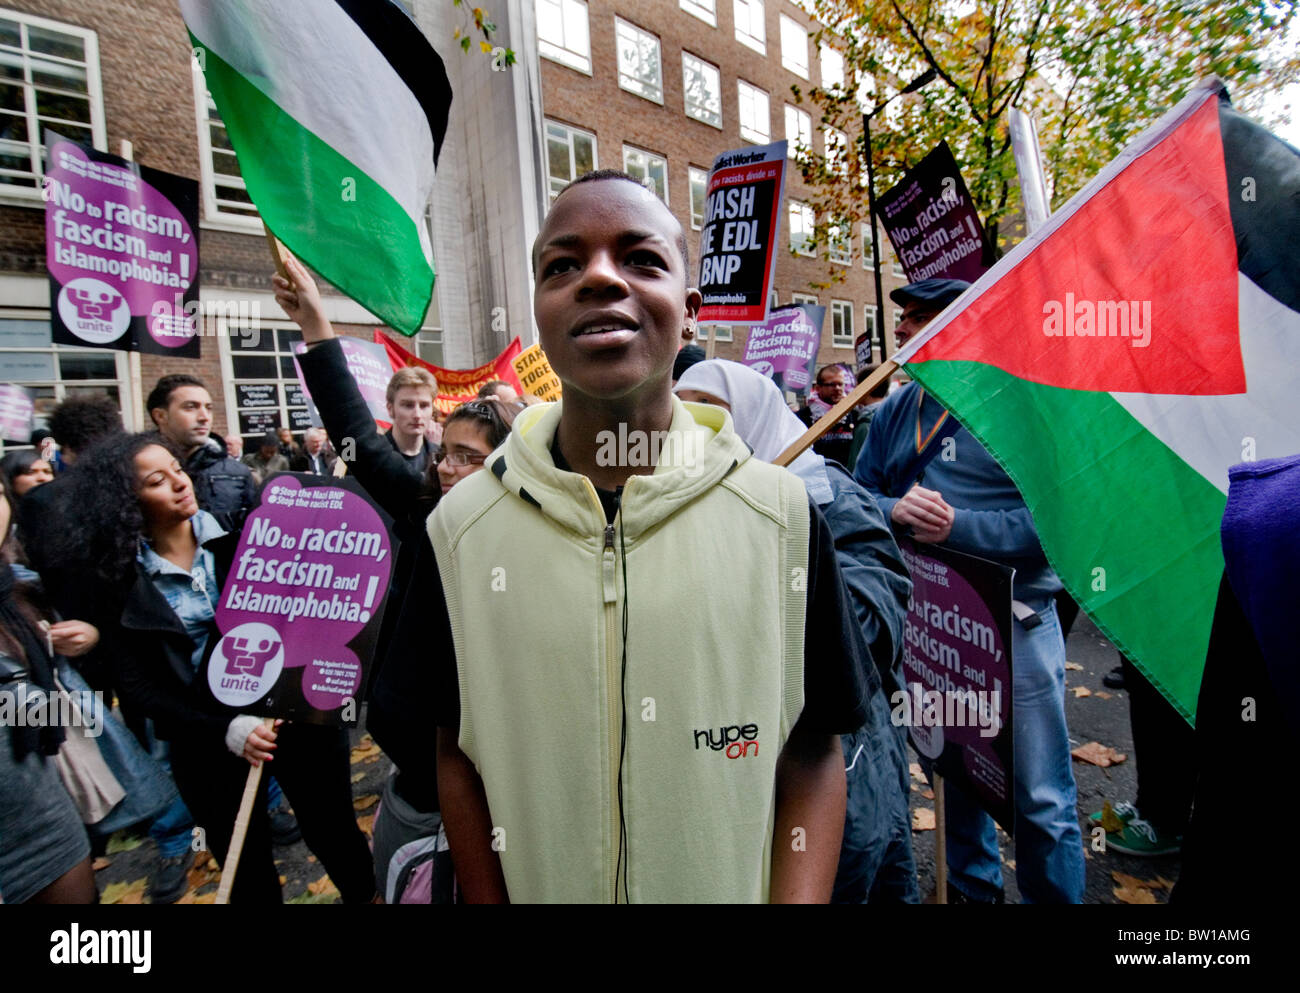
(299, 616)
(932, 223)
(457, 386)
(122, 251)
(742, 225)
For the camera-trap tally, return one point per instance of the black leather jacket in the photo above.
(223, 486)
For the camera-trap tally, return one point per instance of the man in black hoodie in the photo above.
(181, 408)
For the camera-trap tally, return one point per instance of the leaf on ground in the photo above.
(201, 875)
(363, 752)
(101, 863)
(373, 758)
(1074, 667)
(314, 898)
(283, 880)
(1125, 894)
(1080, 691)
(123, 842)
(923, 819)
(1133, 883)
(1103, 695)
(322, 887)
(927, 794)
(132, 892)
(212, 865)
(367, 825)
(915, 769)
(311, 858)
(1096, 753)
(1110, 820)
(365, 802)
(192, 897)
(358, 777)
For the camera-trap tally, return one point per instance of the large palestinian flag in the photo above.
(1120, 359)
(337, 111)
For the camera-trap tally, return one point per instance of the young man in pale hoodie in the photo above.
(654, 654)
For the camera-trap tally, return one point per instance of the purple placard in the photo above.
(932, 223)
(785, 345)
(301, 608)
(957, 670)
(369, 365)
(122, 251)
(16, 409)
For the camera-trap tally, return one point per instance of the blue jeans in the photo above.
(1049, 845)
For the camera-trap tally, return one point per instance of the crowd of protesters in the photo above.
(570, 641)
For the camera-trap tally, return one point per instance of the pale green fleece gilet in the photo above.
(714, 546)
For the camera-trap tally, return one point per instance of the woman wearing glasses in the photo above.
(471, 433)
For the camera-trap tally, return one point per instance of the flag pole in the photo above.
(940, 843)
(837, 413)
(231, 862)
(276, 254)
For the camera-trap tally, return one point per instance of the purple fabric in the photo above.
(1261, 551)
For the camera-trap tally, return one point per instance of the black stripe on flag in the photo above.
(398, 38)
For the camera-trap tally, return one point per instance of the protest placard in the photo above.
(932, 222)
(457, 386)
(536, 374)
(742, 225)
(301, 608)
(784, 346)
(957, 672)
(368, 363)
(122, 251)
(16, 408)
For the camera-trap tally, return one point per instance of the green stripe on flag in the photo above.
(1105, 494)
(369, 247)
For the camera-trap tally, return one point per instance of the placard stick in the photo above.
(836, 414)
(277, 254)
(940, 844)
(231, 863)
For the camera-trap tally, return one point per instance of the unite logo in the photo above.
(737, 740)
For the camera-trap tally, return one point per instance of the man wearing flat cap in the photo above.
(938, 485)
(267, 459)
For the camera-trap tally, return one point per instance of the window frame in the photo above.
(570, 58)
(214, 216)
(802, 70)
(838, 163)
(801, 117)
(697, 8)
(717, 73)
(843, 308)
(839, 249)
(619, 24)
(823, 51)
(766, 138)
(869, 326)
(806, 212)
(691, 172)
(652, 155)
(756, 42)
(571, 131)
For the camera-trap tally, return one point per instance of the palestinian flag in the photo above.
(337, 110)
(1121, 358)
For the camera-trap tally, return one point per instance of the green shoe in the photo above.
(1123, 810)
(1139, 837)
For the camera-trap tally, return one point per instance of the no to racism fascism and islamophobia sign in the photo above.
(299, 615)
(368, 363)
(122, 251)
(932, 223)
(784, 346)
(742, 224)
(957, 672)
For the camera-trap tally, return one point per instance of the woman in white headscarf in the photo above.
(876, 863)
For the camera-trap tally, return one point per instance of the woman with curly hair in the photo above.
(146, 539)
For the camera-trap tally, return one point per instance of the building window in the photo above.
(837, 150)
(841, 324)
(428, 346)
(639, 68)
(722, 332)
(699, 187)
(898, 317)
(810, 298)
(562, 33)
(755, 115)
(798, 128)
(225, 196)
(898, 270)
(49, 79)
(28, 357)
(839, 245)
(650, 170)
(873, 332)
(570, 153)
(750, 27)
(866, 245)
(705, 10)
(702, 85)
(832, 68)
(802, 220)
(794, 47)
(267, 392)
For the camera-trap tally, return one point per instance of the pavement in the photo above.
(1101, 715)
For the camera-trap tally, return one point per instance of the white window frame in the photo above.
(839, 245)
(748, 15)
(808, 220)
(835, 77)
(633, 149)
(714, 120)
(573, 167)
(798, 128)
(810, 298)
(898, 317)
(749, 94)
(568, 53)
(26, 196)
(844, 310)
(635, 84)
(791, 58)
(869, 324)
(229, 380)
(705, 10)
(897, 270)
(866, 245)
(214, 216)
(722, 332)
(692, 173)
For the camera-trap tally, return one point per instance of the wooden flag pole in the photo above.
(277, 254)
(231, 863)
(940, 844)
(836, 413)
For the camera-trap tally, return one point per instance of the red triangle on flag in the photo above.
(1135, 292)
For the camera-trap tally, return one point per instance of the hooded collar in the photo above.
(698, 450)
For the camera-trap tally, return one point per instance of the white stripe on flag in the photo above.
(321, 69)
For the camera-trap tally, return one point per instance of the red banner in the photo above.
(457, 386)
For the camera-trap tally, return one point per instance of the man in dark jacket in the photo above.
(181, 408)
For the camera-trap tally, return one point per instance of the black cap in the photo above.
(937, 292)
(270, 439)
(687, 357)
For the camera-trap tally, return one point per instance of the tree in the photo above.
(1093, 73)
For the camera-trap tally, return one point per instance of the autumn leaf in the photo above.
(1125, 894)
(927, 794)
(1074, 667)
(132, 892)
(1102, 695)
(1096, 753)
(1110, 820)
(363, 752)
(367, 825)
(923, 819)
(915, 770)
(358, 777)
(123, 842)
(1080, 692)
(283, 880)
(365, 802)
(192, 897)
(101, 863)
(321, 886)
